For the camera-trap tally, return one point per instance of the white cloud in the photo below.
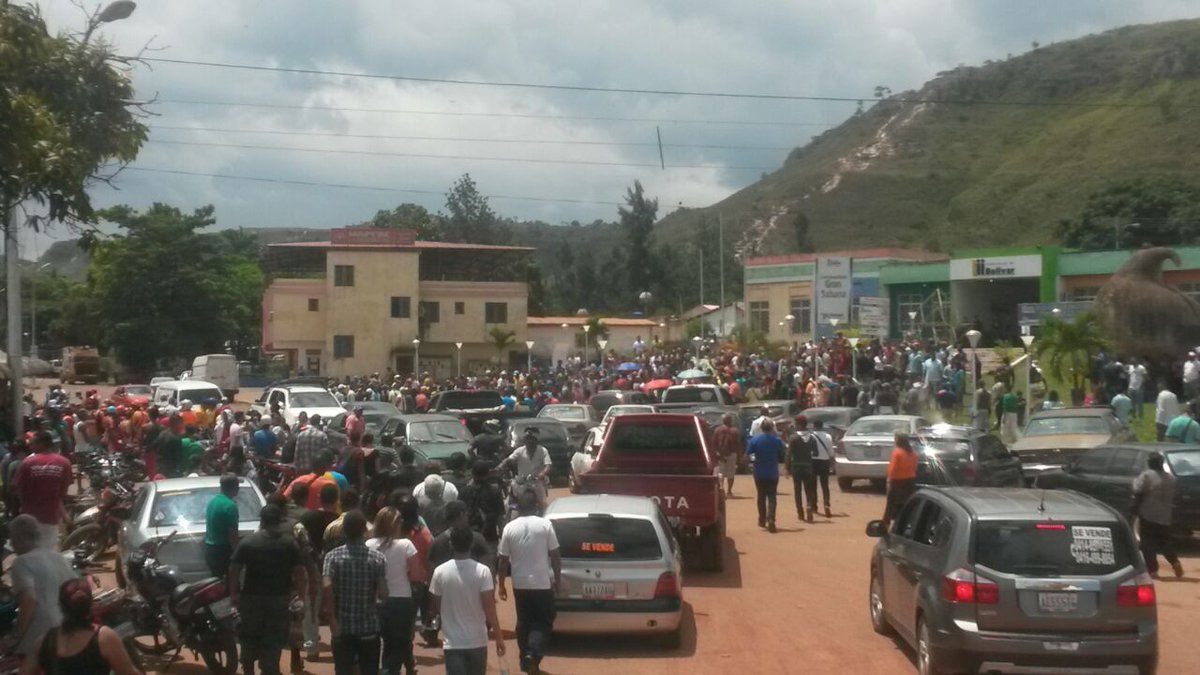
(840, 48)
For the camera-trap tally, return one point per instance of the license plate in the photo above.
(1060, 646)
(221, 609)
(599, 591)
(1058, 603)
(872, 453)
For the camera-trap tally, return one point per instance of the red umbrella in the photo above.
(653, 385)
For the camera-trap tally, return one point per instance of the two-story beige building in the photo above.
(371, 299)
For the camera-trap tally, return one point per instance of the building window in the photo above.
(913, 303)
(343, 275)
(431, 312)
(343, 346)
(314, 305)
(1088, 293)
(401, 307)
(460, 308)
(495, 312)
(760, 317)
(801, 311)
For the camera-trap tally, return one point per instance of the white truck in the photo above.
(220, 369)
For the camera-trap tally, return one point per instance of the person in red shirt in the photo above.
(315, 481)
(356, 425)
(42, 482)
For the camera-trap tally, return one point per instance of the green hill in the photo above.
(994, 154)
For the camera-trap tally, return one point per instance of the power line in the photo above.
(349, 186)
(521, 141)
(651, 92)
(455, 113)
(415, 155)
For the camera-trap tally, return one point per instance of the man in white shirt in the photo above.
(1191, 377)
(823, 461)
(532, 462)
(1137, 386)
(756, 425)
(529, 553)
(1166, 408)
(462, 593)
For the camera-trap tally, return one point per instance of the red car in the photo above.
(132, 395)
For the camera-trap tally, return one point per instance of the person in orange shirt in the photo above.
(187, 414)
(901, 476)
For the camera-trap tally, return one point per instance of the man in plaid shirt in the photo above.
(309, 443)
(355, 581)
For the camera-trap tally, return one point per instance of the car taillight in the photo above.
(969, 472)
(211, 593)
(1137, 592)
(667, 587)
(965, 587)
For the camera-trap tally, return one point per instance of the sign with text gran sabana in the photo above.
(834, 286)
(1010, 267)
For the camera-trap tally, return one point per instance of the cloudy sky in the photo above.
(567, 154)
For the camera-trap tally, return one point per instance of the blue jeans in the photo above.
(356, 650)
(466, 661)
(1139, 398)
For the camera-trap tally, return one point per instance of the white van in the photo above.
(168, 395)
(220, 369)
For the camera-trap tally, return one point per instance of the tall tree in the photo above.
(637, 219)
(1139, 212)
(65, 113)
(471, 218)
(412, 217)
(800, 225)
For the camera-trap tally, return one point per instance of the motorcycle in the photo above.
(95, 529)
(175, 615)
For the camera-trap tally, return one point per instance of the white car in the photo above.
(294, 399)
(169, 396)
(582, 460)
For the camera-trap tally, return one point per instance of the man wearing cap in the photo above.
(730, 450)
(532, 462)
(263, 599)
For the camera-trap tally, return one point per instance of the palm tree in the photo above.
(501, 339)
(1066, 348)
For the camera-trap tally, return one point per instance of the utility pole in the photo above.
(721, 267)
(702, 317)
(12, 268)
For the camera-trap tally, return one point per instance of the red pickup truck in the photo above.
(669, 458)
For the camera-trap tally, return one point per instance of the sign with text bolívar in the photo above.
(834, 287)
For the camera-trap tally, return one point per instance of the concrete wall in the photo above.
(779, 298)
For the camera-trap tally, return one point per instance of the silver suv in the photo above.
(1008, 580)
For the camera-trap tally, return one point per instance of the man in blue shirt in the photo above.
(265, 442)
(766, 450)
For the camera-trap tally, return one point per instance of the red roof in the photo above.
(581, 320)
(416, 246)
(862, 253)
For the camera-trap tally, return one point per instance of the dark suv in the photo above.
(953, 455)
(982, 580)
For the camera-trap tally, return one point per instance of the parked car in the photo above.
(432, 436)
(169, 396)
(1107, 473)
(667, 457)
(178, 505)
(866, 447)
(621, 567)
(686, 397)
(603, 400)
(952, 455)
(626, 409)
(473, 407)
(375, 413)
(552, 435)
(783, 413)
(991, 580)
(835, 419)
(578, 419)
(1052, 437)
(133, 395)
(293, 398)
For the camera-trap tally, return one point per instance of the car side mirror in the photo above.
(876, 529)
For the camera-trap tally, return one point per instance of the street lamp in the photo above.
(33, 348)
(790, 319)
(458, 346)
(528, 356)
(1028, 340)
(853, 358)
(417, 358)
(696, 341)
(603, 346)
(973, 337)
(587, 329)
(833, 321)
(114, 11)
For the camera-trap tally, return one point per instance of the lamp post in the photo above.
(528, 356)
(912, 323)
(33, 335)
(458, 346)
(973, 337)
(603, 356)
(853, 358)
(834, 321)
(114, 11)
(662, 327)
(1028, 340)
(587, 329)
(789, 320)
(417, 358)
(696, 342)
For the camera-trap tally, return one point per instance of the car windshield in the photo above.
(1044, 426)
(945, 448)
(639, 438)
(1185, 462)
(546, 432)
(564, 412)
(869, 427)
(603, 537)
(185, 508)
(441, 431)
(469, 400)
(1057, 548)
(618, 410)
(199, 395)
(313, 399)
(138, 390)
(691, 395)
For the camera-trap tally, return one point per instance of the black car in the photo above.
(376, 415)
(552, 435)
(1107, 473)
(952, 455)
